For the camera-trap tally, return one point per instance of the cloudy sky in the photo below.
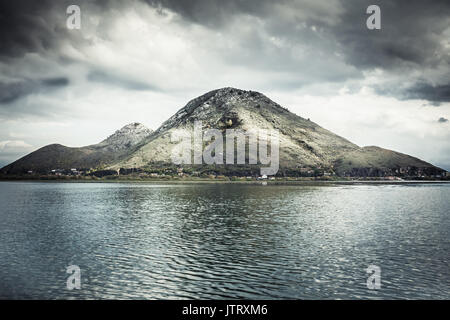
(143, 60)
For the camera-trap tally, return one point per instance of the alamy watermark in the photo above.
(74, 280)
(208, 147)
(74, 19)
(374, 20)
(374, 280)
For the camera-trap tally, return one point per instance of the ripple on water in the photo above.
(224, 241)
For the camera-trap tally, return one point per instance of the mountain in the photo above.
(304, 148)
(56, 156)
(304, 145)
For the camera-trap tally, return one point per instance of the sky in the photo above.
(141, 61)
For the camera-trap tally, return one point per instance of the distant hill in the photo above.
(304, 145)
(56, 156)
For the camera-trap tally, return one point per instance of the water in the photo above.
(218, 241)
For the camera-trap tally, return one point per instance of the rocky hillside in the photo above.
(56, 156)
(304, 145)
(125, 138)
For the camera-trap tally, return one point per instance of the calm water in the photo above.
(224, 241)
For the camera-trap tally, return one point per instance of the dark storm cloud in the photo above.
(330, 32)
(28, 26)
(410, 37)
(411, 33)
(410, 28)
(40, 26)
(435, 94)
(10, 92)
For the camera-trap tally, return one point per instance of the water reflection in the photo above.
(223, 240)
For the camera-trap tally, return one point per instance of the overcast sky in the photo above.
(143, 60)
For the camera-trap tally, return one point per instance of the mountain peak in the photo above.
(132, 125)
(128, 135)
(224, 102)
(233, 91)
(230, 93)
(228, 96)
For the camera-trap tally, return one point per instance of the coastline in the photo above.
(280, 182)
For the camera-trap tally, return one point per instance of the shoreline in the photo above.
(251, 182)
